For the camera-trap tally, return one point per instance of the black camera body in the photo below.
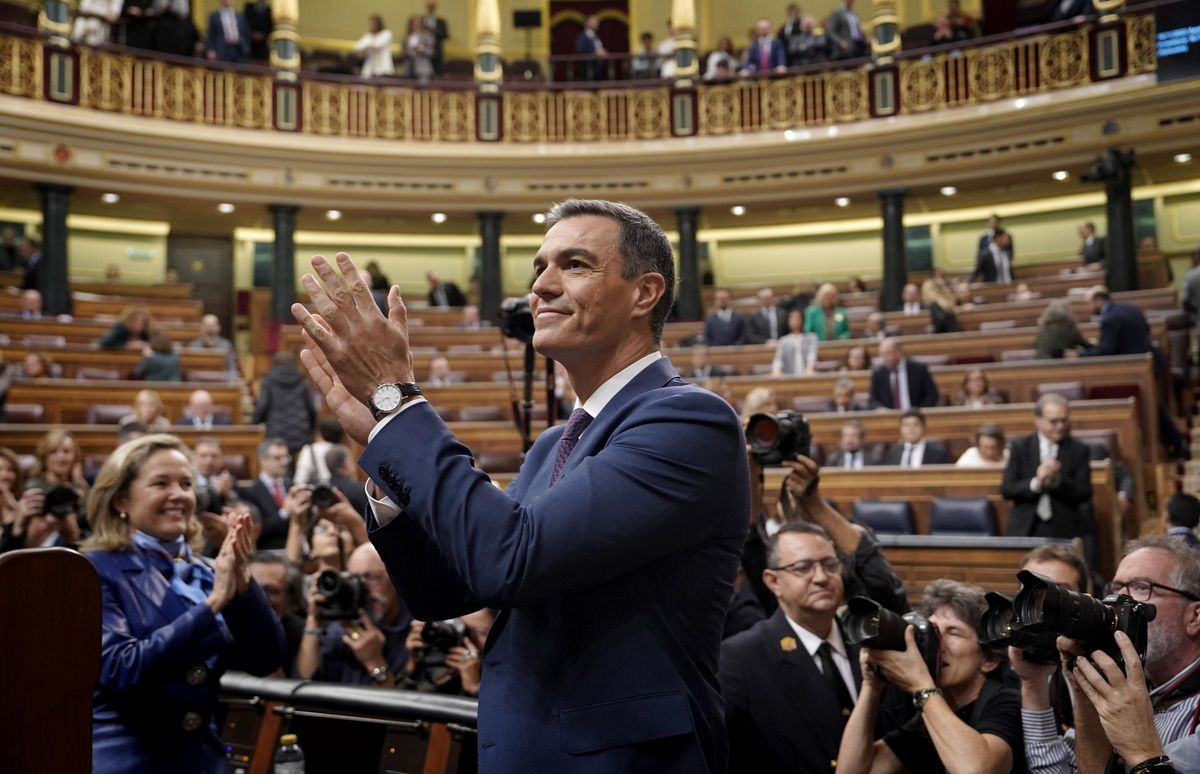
(1043, 606)
(439, 637)
(323, 495)
(777, 437)
(345, 594)
(515, 319)
(1001, 629)
(62, 501)
(871, 625)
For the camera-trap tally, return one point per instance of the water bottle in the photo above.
(290, 758)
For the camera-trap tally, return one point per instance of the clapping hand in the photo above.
(232, 564)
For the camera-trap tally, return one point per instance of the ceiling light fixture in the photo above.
(225, 208)
(333, 214)
(1061, 175)
(842, 201)
(539, 218)
(438, 217)
(738, 210)
(110, 198)
(949, 190)
(1182, 158)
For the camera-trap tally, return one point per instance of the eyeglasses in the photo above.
(805, 567)
(1141, 590)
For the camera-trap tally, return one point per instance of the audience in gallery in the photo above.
(857, 359)
(722, 62)
(419, 50)
(826, 318)
(200, 413)
(161, 361)
(440, 374)
(149, 411)
(35, 365)
(938, 298)
(989, 449)
(210, 338)
(723, 326)
(911, 299)
(769, 322)
(900, 382)
(1058, 333)
(844, 399)
(228, 38)
(766, 53)
(853, 452)
(374, 48)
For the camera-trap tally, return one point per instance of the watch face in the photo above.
(386, 397)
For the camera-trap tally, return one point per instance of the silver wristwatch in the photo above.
(380, 674)
(387, 397)
(922, 696)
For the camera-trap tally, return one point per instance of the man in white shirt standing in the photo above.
(638, 505)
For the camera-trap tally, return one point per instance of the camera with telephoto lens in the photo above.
(516, 319)
(439, 637)
(777, 437)
(1044, 606)
(323, 496)
(62, 501)
(345, 594)
(209, 500)
(871, 625)
(1002, 629)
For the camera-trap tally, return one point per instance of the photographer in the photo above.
(40, 526)
(965, 720)
(1166, 573)
(366, 649)
(323, 534)
(442, 667)
(800, 650)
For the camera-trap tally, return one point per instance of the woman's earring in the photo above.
(124, 516)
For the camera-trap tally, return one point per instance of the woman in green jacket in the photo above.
(825, 318)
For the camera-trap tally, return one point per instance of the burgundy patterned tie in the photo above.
(577, 423)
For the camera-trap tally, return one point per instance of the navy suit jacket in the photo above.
(215, 40)
(718, 333)
(157, 667)
(1123, 331)
(922, 389)
(274, 527)
(776, 57)
(612, 585)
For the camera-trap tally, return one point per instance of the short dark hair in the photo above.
(131, 430)
(968, 604)
(643, 246)
(913, 412)
(335, 458)
(794, 528)
(331, 430)
(1064, 554)
(265, 445)
(1183, 510)
(990, 430)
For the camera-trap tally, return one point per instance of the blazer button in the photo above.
(191, 721)
(197, 675)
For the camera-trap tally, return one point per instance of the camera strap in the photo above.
(1182, 688)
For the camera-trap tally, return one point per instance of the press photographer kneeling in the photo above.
(965, 721)
(1160, 575)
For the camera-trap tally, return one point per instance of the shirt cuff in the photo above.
(1035, 485)
(384, 509)
(1039, 726)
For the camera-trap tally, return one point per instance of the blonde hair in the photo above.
(152, 395)
(46, 446)
(110, 532)
(827, 288)
(757, 400)
(935, 291)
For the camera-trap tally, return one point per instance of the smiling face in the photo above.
(911, 430)
(582, 307)
(59, 461)
(8, 475)
(161, 499)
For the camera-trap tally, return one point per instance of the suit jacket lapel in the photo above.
(803, 682)
(151, 586)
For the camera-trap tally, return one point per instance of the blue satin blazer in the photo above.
(161, 664)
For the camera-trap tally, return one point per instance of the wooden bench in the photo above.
(136, 290)
(66, 403)
(97, 441)
(95, 305)
(76, 356)
(84, 330)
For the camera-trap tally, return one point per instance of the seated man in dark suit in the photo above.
(853, 453)
(900, 383)
(637, 506)
(1048, 479)
(844, 398)
(790, 681)
(199, 412)
(443, 293)
(994, 262)
(912, 450)
(273, 494)
(1093, 253)
(724, 327)
(701, 368)
(1182, 517)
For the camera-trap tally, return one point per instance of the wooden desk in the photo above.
(98, 440)
(95, 305)
(920, 486)
(84, 330)
(74, 356)
(65, 402)
(134, 290)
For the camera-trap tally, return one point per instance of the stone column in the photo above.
(1112, 168)
(895, 263)
(689, 302)
(490, 290)
(283, 264)
(54, 278)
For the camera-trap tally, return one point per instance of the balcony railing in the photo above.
(192, 91)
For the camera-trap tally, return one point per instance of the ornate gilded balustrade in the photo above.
(112, 80)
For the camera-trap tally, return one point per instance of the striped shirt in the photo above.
(1049, 752)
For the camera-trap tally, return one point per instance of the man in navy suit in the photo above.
(611, 557)
(766, 54)
(994, 262)
(588, 43)
(271, 494)
(1123, 327)
(199, 412)
(913, 450)
(900, 383)
(228, 38)
(724, 327)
